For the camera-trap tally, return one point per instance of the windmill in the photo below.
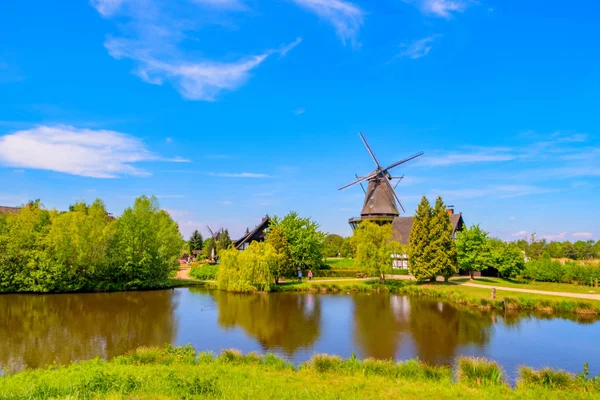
(381, 201)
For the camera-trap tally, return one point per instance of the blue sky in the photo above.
(228, 110)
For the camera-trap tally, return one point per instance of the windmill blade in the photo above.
(366, 178)
(397, 183)
(419, 154)
(389, 185)
(369, 149)
(210, 230)
(361, 185)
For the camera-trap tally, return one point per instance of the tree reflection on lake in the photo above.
(284, 322)
(37, 330)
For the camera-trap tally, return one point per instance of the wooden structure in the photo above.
(258, 234)
(381, 204)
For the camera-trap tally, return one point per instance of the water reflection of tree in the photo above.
(282, 321)
(379, 322)
(438, 328)
(39, 330)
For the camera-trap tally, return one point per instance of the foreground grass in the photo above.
(546, 286)
(181, 373)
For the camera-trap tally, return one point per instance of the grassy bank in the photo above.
(457, 294)
(181, 373)
(521, 284)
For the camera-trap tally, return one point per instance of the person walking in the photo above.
(299, 275)
(310, 274)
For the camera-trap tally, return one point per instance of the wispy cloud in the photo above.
(226, 202)
(417, 49)
(298, 111)
(239, 175)
(475, 155)
(493, 191)
(84, 152)
(442, 8)
(151, 37)
(346, 17)
(520, 234)
(556, 236)
(583, 235)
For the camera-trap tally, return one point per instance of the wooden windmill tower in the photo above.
(381, 201)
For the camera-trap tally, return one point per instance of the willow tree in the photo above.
(374, 248)
(249, 270)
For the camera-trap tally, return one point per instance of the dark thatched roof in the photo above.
(256, 235)
(403, 225)
(9, 210)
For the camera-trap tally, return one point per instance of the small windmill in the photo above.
(381, 201)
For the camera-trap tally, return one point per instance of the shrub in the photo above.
(545, 377)
(204, 272)
(479, 371)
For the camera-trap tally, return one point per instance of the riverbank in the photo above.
(179, 373)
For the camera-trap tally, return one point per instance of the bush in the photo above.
(547, 270)
(545, 377)
(204, 272)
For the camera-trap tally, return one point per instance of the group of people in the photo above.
(310, 275)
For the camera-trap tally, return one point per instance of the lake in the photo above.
(37, 330)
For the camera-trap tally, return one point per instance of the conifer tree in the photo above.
(443, 250)
(419, 246)
(224, 241)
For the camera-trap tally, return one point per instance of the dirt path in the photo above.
(533, 291)
(184, 273)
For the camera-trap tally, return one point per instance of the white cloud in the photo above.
(520, 234)
(222, 4)
(298, 111)
(151, 37)
(512, 218)
(239, 175)
(346, 17)
(418, 48)
(169, 140)
(84, 152)
(585, 235)
(493, 191)
(227, 202)
(557, 236)
(442, 8)
(476, 156)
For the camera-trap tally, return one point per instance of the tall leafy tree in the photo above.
(555, 249)
(473, 249)
(597, 249)
(346, 249)
(283, 267)
(305, 239)
(506, 257)
(333, 245)
(374, 248)
(210, 247)
(443, 250)
(420, 254)
(196, 241)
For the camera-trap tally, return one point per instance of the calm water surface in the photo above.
(36, 330)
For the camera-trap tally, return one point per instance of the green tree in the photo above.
(569, 250)
(346, 249)
(584, 250)
(208, 246)
(374, 248)
(305, 239)
(506, 257)
(248, 270)
(536, 247)
(146, 245)
(442, 247)
(420, 254)
(283, 268)
(195, 242)
(333, 244)
(597, 249)
(555, 249)
(223, 242)
(473, 250)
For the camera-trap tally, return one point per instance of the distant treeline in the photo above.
(86, 249)
(579, 250)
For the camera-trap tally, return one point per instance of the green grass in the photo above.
(340, 263)
(479, 371)
(180, 373)
(546, 286)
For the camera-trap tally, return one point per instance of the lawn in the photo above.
(547, 286)
(340, 263)
(180, 373)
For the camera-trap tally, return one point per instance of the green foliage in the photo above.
(333, 245)
(546, 377)
(506, 257)
(208, 246)
(374, 248)
(284, 267)
(547, 270)
(204, 272)
(305, 239)
(85, 249)
(223, 242)
(248, 270)
(346, 249)
(473, 248)
(421, 251)
(196, 241)
(442, 246)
